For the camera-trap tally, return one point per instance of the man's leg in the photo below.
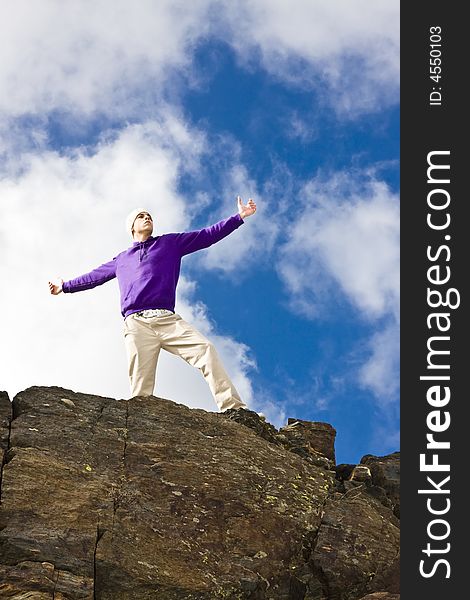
(182, 339)
(143, 348)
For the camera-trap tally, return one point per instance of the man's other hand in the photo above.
(246, 210)
(56, 287)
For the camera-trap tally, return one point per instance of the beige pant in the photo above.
(145, 337)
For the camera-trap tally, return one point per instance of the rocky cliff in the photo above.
(147, 499)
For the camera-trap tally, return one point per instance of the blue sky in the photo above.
(180, 109)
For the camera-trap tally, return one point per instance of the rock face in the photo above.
(385, 472)
(105, 499)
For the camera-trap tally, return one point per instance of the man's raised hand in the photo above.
(56, 288)
(246, 210)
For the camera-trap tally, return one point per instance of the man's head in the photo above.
(139, 223)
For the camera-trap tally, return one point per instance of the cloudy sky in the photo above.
(108, 105)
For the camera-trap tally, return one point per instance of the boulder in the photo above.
(110, 499)
(385, 472)
(315, 437)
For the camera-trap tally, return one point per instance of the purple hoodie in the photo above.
(148, 272)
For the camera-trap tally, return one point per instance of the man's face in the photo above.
(143, 223)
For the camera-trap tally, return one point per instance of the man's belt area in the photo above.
(154, 312)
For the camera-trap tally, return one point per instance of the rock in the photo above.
(67, 402)
(352, 476)
(145, 498)
(315, 437)
(385, 471)
(387, 579)
(251, 419)
(358, 538)
(296, 437)
(5, 420)
(42, 583)
(344, 471)
(361, 473)
(102, 478)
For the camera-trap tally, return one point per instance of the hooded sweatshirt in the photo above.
(148, 272)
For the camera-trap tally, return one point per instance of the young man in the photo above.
(147, 274)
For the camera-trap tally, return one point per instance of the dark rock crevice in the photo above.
(126, 436)
(99, 534)
(98, 419)
(6, 417)
(322, 579)
(309, 544)
(56, 580)
(118, 495)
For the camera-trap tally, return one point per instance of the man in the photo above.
(147, 274)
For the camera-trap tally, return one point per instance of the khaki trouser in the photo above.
(145, 337)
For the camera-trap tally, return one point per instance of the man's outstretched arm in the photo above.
(192, 241)
(102, 274)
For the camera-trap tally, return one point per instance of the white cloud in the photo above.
(300, 129)
(347, 238)
(91, 56)
(64, 215)
(349, 46)
(114, 57)
(379, 373)
(344, 244)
